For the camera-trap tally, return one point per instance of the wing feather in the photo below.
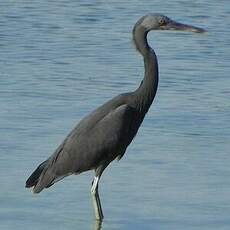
(106, 140)
(100, 137)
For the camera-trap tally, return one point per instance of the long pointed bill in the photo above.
(182, 27)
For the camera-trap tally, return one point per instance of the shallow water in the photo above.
(61, 59)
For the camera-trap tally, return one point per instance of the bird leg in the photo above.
(96, 199)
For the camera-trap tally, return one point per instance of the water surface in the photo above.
(61, 59)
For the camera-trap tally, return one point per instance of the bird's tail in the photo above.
(33, 180)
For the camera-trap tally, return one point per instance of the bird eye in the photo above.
(162, 22)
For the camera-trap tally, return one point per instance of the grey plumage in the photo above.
(106, 133)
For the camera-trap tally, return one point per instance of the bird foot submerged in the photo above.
(96, 200)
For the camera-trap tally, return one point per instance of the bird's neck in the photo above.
(148, 88)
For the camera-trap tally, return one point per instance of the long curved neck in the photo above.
(148, 88)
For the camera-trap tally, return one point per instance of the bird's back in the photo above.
(98, 139)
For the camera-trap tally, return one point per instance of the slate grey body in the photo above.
(106, 133)
(97, 140)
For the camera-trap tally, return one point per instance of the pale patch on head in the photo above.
(154, 21)
(148, 22)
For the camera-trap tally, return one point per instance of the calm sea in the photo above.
(59, 60)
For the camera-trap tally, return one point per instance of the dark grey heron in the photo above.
(106, 133)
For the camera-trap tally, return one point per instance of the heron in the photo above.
(104, 135)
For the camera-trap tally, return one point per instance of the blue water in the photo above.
(61, 59)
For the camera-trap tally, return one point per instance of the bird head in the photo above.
(161, 22)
